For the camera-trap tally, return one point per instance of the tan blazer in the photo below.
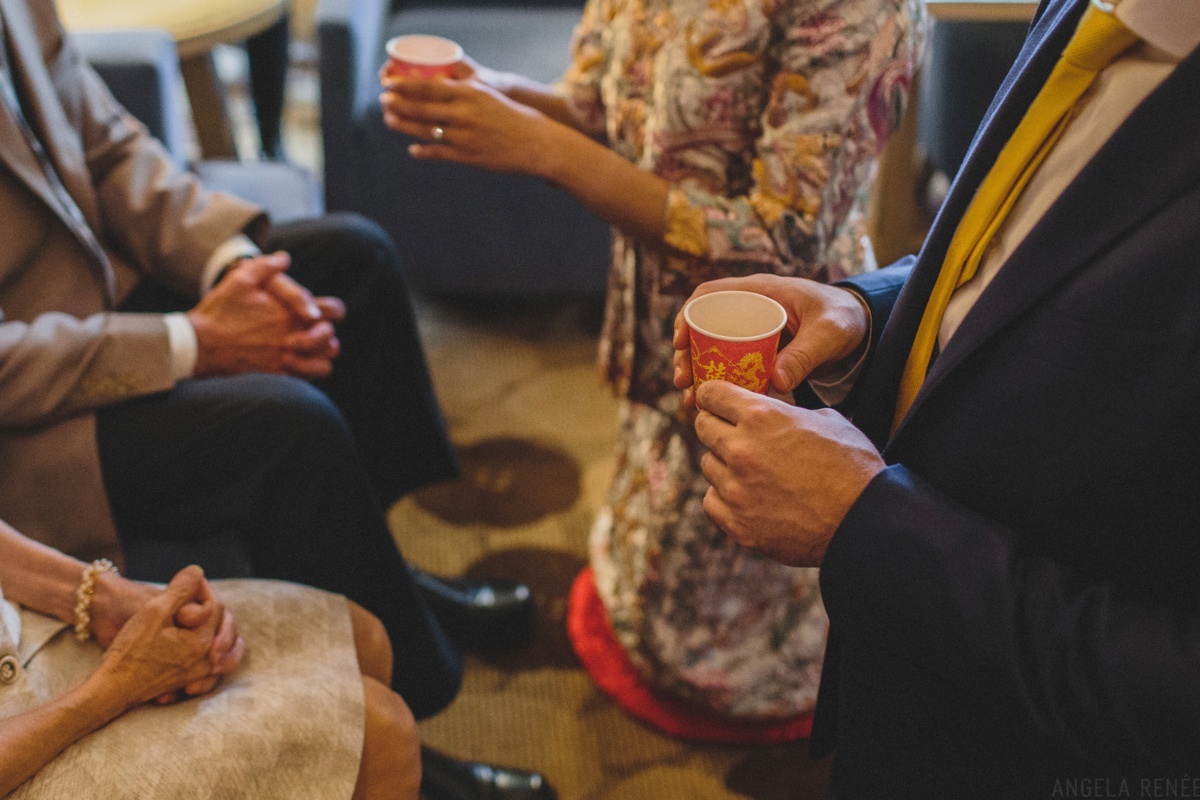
(63, 352)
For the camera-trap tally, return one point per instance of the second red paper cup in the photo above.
(422, 56)
(734, 338)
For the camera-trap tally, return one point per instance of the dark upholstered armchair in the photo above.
(459, 230)
(141, 68)
(966, 62)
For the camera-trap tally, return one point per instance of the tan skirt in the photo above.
(288, 724)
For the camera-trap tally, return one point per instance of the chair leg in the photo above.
(267, 53)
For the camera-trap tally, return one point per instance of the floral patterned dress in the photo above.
(766, 117)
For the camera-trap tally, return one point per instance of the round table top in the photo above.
(195, 25)
(981, 10)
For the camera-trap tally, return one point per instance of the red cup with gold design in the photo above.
(735, 336)
(420, 55)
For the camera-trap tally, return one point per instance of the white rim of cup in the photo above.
(687, 316)
(454, 49)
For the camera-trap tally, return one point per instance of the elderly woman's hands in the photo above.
(118, 601)
(166, 646)
(115, 600)
(227, 646)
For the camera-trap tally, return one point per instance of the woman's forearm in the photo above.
(619, 192)
(533, 94)
(36, 576)
(31, 740)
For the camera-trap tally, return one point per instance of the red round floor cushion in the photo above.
(604, 659)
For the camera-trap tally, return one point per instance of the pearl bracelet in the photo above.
(83, 596)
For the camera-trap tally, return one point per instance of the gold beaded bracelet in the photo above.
(83, 596)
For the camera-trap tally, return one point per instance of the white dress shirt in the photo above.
(181, 336)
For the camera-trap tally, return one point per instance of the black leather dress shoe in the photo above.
(479, 615)
(447, 778)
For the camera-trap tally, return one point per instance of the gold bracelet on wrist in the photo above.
(83, 596)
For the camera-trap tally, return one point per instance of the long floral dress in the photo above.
(766, 117)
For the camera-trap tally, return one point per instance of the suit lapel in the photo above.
(22, 42)
(1109, 197)
(1042, 47)
(15, 152)
(47, 117)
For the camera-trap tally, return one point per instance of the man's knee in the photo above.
(364, 236)
(348, 243)
(206, 414)
(280, 400)
(369, 248)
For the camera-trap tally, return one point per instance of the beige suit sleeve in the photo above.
(159, 216)
(58, 365)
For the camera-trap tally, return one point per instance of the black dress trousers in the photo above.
(273, 477)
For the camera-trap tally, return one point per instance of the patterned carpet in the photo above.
(535, 430)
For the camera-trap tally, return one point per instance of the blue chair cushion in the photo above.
(286, 191)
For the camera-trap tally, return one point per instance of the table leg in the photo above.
(210, 112)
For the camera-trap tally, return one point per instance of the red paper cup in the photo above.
(734, 338)
(422, 56)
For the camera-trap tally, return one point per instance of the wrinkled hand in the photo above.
(782, 478)
(257, 319)
(117, 599)
(114, 601)
(228, 647)
(828, 326)
(155, 657)
(483, 127)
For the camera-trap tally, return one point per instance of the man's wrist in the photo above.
(225, 257)
(834, 383)
(181, 338)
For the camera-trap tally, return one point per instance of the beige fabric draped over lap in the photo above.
(288, 725)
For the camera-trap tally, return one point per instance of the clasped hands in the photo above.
(782, 478)
(162, 645)
(257, 319)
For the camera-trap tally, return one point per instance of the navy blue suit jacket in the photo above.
(1015, 601)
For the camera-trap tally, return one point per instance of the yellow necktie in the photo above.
(1098, 40)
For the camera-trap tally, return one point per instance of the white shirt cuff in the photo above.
(226, 253)
(833, 389)
(181, 337)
